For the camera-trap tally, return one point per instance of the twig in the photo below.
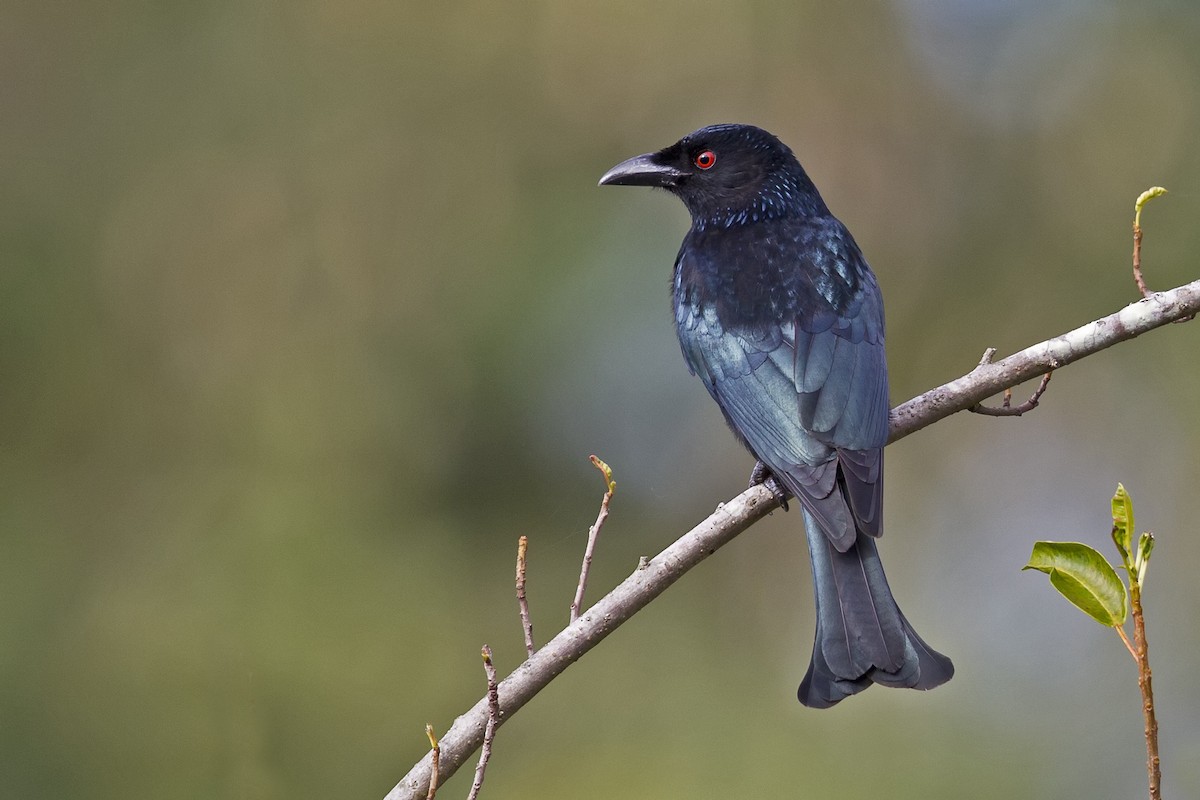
(522, 602)
(1128, 645)
(1143, 198)
(1153, 766)
(1137, 261)
(436, 751)
(734, 516)
(593, 535)
(1007, 409)
(493, 721)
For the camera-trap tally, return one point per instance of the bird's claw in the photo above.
(761, 474)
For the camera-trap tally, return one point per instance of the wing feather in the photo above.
(807, 395)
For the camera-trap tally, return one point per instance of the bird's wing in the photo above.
(805, 389)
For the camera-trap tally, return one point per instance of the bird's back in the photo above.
(795, 295)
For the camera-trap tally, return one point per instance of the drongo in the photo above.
(780, 317)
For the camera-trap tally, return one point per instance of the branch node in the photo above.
(987, 357)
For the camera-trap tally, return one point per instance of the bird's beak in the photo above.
(642, 171)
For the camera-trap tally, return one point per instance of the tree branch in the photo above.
(987, 379)
(649, 581)
(654, 575)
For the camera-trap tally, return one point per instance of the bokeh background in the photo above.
(309, 310)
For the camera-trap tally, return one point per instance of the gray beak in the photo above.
(642, 171)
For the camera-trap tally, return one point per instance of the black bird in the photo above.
(781, 318)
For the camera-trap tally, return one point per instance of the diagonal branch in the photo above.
(646, 583)
(987, 379)
(653, 576)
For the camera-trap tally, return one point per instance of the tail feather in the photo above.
(862, 637)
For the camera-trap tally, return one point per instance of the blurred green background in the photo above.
(309, 310)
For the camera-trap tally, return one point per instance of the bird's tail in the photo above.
(862, 637)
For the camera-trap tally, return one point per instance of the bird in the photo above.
(780, 317)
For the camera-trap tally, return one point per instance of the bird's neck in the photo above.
(783, 195)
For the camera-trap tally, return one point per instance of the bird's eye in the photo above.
(706, 159)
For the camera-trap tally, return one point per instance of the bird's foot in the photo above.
(761, 474)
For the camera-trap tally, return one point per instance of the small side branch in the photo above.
(436, 749)
(1007, 409)
(1143, 198)
(593, 535)
(1137, 261)
(522, 602)
(493, 720)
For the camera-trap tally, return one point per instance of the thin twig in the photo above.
(493, 721)
(1143, 198)
(1137, 260)
(522, 602)
(1007, 409)
(734, 516)
(437, 752)
(1153, 767)
(593, 535)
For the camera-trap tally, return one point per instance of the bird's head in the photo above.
(725, 174)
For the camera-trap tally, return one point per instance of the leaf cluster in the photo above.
(1086, 578)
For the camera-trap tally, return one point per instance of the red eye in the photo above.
(706, 159)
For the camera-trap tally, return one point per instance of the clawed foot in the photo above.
(761, 474)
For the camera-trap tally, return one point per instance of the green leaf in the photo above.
(1084, 577)
(1123, 528)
